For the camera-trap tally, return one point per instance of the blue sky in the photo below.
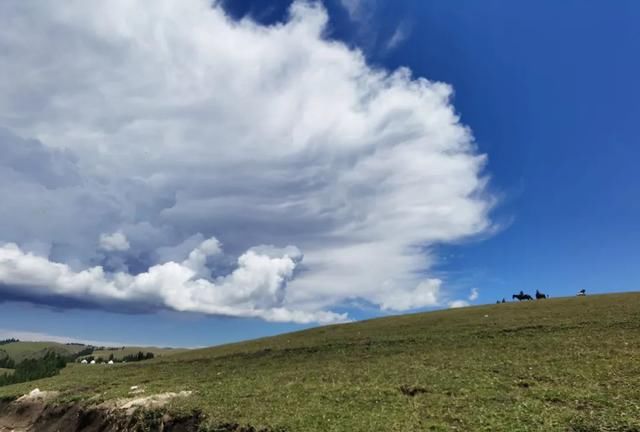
(549, 91)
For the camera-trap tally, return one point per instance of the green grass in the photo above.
(4, 371)
(567, 364)
(19, 351)
(119, 353)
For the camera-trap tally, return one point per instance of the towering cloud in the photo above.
(136, 130)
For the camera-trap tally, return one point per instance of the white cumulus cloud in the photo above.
(458, 304)
(167, 123)
(114, 242)
(475, 293)
(255, 288)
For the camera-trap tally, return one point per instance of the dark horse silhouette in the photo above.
(539, 295)
(522, 296)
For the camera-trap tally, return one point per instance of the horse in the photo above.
(521, 297)
(539, 295)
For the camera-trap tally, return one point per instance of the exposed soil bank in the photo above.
(39, 416)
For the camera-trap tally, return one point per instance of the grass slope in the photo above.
(119, 353)
(4, 371)
(19, 351)
(569, 364)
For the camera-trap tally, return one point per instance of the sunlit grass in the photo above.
(552, 365)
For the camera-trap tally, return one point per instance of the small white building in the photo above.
(110, 361)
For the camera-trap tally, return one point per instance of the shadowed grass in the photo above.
(568, 364)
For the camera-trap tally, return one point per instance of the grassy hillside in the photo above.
(119, 353)
(19, 351)
(569, 364)
(5, 371)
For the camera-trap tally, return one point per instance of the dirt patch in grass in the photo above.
(412, 390)
(38, 416)
(34, 413)
(149, 402)
(38, 395)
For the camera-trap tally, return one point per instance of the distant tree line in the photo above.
(109, 348)
(138, 357)
(32, 369)
(84, 352)
(51, 364)
(8, 341)
(36, 368)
